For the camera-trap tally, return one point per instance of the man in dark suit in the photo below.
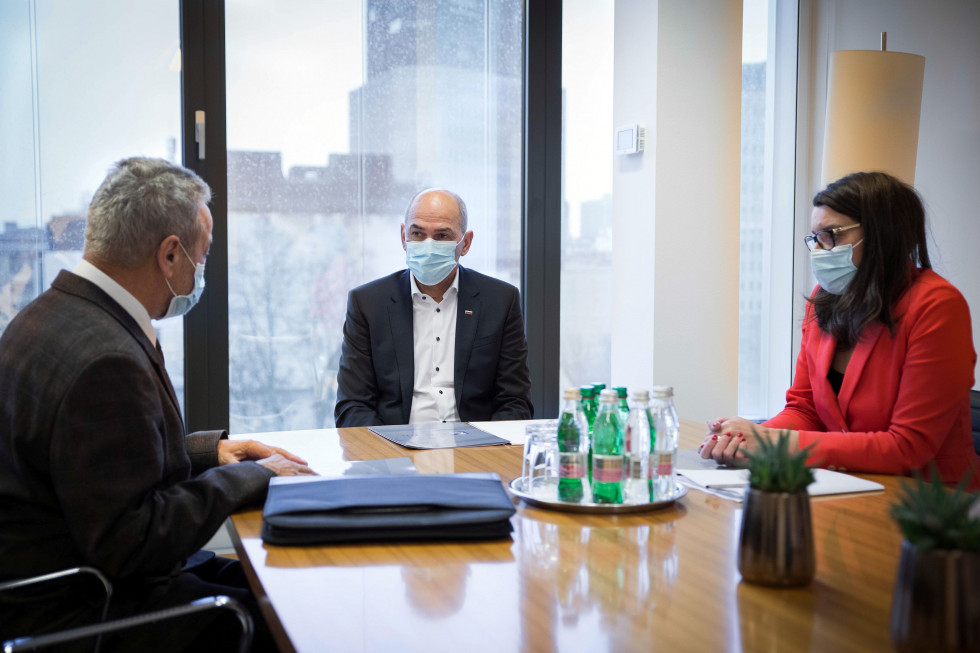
(95, 468)
(435, 342)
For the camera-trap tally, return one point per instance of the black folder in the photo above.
(387, 508)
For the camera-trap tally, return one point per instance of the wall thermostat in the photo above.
(630, 139)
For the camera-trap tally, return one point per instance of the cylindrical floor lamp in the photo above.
(873, 103)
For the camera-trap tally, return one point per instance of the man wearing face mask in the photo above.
(436, 342)
(95, 467)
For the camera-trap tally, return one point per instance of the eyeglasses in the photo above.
(826, 237)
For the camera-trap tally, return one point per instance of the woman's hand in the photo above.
(730, 437)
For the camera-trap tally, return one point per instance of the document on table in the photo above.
(511, 430)
(438, 435)
(380, 466)
(729, 483)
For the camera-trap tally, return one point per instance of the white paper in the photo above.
(825, 481)
(717, 477)
(510, 430)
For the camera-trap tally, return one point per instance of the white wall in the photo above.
(947, 34)
(678, 68)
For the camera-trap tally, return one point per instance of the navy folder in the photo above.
(387, 508)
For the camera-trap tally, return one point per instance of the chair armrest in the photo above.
(13, 585)
(208, 604)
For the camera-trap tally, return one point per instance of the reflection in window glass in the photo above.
(84, 84)
(586, 221)
(338, 112)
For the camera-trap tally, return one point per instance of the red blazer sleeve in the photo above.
(908, 401)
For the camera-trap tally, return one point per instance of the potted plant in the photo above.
(936, 605)
(776, 542)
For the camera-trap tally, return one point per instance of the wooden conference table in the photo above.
(664, 580)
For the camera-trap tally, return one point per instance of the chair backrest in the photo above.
(975, 411)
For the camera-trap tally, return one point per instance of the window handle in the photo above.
(199, 133)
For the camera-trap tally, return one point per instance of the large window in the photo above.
(587, 171)
(768, 164)
(83, 83)
(338, 112)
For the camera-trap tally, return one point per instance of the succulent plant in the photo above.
(931, 516)
(773, 468)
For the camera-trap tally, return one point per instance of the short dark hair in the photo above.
(892, 218)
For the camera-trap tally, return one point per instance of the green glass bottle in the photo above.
(589, 405)
(607, 451)
(598, 388)
(624, 407)
(573, 448)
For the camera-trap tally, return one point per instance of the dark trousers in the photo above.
(204, 575)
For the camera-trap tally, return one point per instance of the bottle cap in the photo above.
(599, 386)
(662, 391)
(641, 395)
(573, 394)
(608, 396)
(620, 392)
(587, 391)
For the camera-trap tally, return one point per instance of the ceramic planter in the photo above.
(776, 544)
(936, 606)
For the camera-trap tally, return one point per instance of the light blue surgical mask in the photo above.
(429, 260)
(180, 304)
(834, 268)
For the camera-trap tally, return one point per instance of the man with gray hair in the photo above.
(95, 467)
(436, 342)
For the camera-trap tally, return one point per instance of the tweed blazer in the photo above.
(95, 468)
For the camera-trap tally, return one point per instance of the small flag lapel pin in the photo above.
(468, 312)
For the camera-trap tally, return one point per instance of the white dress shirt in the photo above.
(130, 304)
(433, 397)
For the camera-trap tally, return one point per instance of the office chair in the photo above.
(975, 412)
(208, 604)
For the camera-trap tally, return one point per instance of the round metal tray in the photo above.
(516, 488)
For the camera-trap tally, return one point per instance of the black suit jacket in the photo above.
(95, 468)
(376, 376)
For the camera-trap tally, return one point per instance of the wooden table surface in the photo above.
(664, 580)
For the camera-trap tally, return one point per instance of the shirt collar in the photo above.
(120, 295)
(453, 287)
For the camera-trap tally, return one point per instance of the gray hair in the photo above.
(141, 202)
(460, 204)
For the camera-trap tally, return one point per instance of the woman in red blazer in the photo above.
(886, 364)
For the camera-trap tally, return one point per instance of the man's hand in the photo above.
(235, 451)
(283, 466)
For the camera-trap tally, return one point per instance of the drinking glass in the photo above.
(540, 467)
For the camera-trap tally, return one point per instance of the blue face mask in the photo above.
(834, 268)
(429, 260)
(180, 304)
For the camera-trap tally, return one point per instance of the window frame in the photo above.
(206, 341)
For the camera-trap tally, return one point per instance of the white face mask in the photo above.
(834, 268)
(429, 260)
(180, 304)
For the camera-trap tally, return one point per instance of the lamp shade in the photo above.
(873, 103)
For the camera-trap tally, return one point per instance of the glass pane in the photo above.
(85, 83)
(586, 241)
(753, 266)
(338, 113)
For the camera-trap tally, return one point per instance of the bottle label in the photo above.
(635, 469)
(665, 464)
(607, 469)
(571, 465)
